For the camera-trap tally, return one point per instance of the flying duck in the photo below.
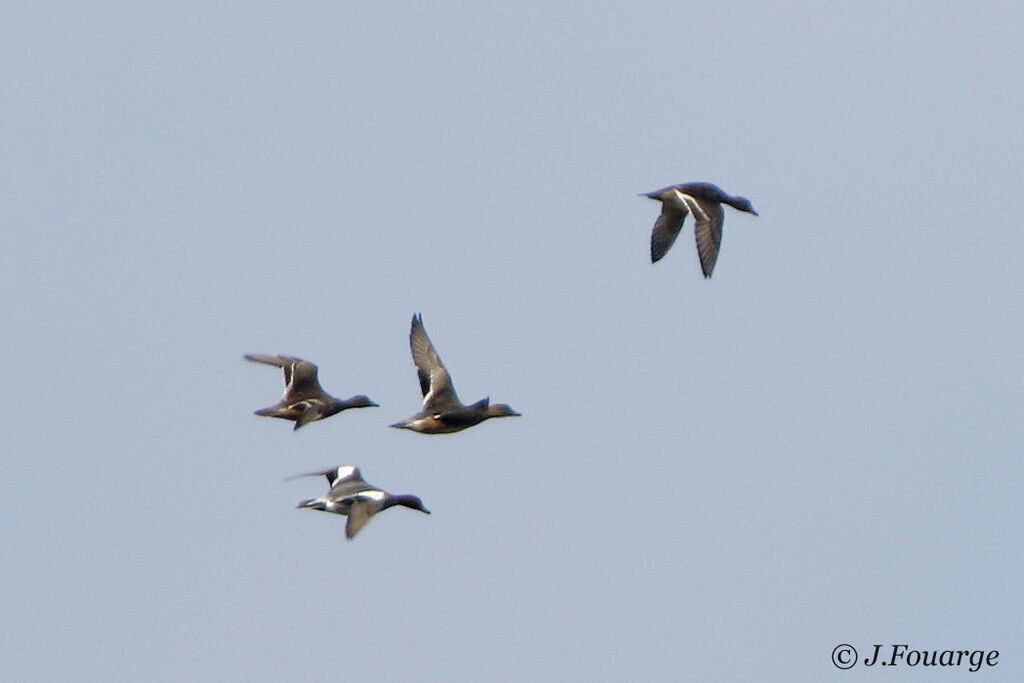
(442, 411)
(351, 496)
(704, 201)
(304, 399)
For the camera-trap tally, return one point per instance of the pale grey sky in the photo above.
(711, 480)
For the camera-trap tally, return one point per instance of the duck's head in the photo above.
(501, 410)
(409, 501)
(361, 402)
(742, 204)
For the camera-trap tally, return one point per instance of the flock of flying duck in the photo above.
(305, 401)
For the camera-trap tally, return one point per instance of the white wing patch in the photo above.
(345, 472)
(375, 496)
(430, 393)
(692, 204)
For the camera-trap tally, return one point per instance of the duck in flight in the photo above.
(304, 399)
(351, 496)
(442, 411)
(704, 201)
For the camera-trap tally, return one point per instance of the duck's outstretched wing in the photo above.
(364, 506)
(708, 217)
(668, 225)
(435, 382)
(300, 376)
(335, 475)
